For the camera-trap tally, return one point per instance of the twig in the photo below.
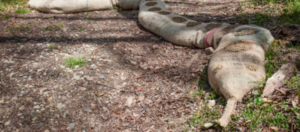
(99, 47)
(122, 90)
(22, 58)
(284, 93)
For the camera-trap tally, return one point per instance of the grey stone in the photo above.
(71, 125)
(102, 76)
(36, 107)
(76, 77)
(88, 109)
(60, 106)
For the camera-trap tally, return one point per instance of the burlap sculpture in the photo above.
(237, 63)
(72, 6)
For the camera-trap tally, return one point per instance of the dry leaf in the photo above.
(211, 103)
(295, 101)
(138, 89)
(129, 101)
(141, 98)
(274, 128)
(93, 107)
(115, 115)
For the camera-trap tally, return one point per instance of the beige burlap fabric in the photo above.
(237, 63)
(72, 6)
(173, 27)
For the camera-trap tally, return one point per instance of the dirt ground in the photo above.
(38, 93)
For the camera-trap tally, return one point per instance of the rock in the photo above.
(101, 76)
(35, 65)
(71, 125)
(33, 119)
(209, 50)
(22, 107)
(14, 98)
(8, 62)
(7, 123)
(60, 106)
(89, 78)
(208, 125)
(133, 62)
(36, 107)
(211, 103)
(49, 99)
(82, 89)
(93, 66)
(64, 115)
(76, 77)
(129, 101)
(88, 109)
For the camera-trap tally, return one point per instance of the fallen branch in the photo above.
(122, 90)
(278, 79)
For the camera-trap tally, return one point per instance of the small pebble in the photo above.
(88, 109)
(76, 77)
(22, 107)
(36, 107)
(60, 106)
(101, 76)
(7, 123)
(71, 125)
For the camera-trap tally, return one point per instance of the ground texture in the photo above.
(152, 78)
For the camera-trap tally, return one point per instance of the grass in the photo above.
(271, 64)
(4, 16)
(291, 13)
(255, 115)
(60, 25)
(21, 11)
(47, 29)
(115, 8)
(294, 83)
(51, 47)
(6, 5)
(205, 115)
(71, 62)
(80, 30)
(287, 15)
(19, 28)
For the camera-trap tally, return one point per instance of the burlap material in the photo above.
(171, 26)
(237, 64)
(72, 6)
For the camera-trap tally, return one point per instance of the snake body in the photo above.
(237, 63)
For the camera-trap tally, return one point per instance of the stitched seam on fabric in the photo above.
(87, 3)
(209, 35)
(162, 26)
